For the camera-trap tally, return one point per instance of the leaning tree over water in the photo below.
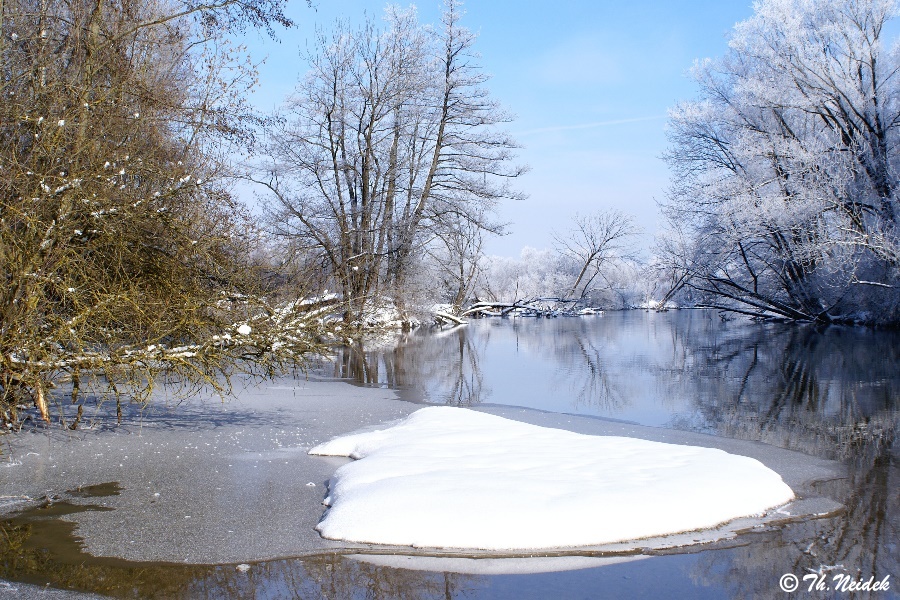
(786, 166)
(122, 253)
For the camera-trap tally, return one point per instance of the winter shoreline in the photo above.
(207, 482)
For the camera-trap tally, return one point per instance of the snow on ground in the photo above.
(457, 478)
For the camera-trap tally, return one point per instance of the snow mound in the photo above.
(457, 478)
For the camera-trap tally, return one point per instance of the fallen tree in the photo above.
(534, 307)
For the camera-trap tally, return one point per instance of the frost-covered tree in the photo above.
(389, 144)
(121, 251)
(590, 243)
(590, 265)
(455, 258)
(534, 274)
(786, 165)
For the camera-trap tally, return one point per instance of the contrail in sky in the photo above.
(589, 125)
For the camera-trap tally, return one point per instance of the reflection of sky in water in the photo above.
(655, 369)
(602, 375)
(831, 392)
(562, 379)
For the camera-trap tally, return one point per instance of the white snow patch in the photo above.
(244, 329)
(457, 478)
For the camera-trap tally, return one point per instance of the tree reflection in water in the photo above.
(446, 360)
(330, 577)
(333, 577)
(831, 393)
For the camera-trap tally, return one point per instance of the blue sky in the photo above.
(589, 82)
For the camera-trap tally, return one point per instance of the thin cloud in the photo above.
(589, 125)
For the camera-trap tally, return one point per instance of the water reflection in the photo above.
(37, 547)
(681, 369)
(450, 360)
(830, 392)
(332, 577)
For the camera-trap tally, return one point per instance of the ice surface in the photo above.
(457, 478)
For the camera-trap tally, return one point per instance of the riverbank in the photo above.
(203, 482)
(224, 483)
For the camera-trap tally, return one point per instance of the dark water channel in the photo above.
(833, 393)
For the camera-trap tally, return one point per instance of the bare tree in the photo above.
(456, 258)
(592, 241)
(534, 274)
(389, 140)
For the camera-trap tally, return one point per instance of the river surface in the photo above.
(830, 392)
